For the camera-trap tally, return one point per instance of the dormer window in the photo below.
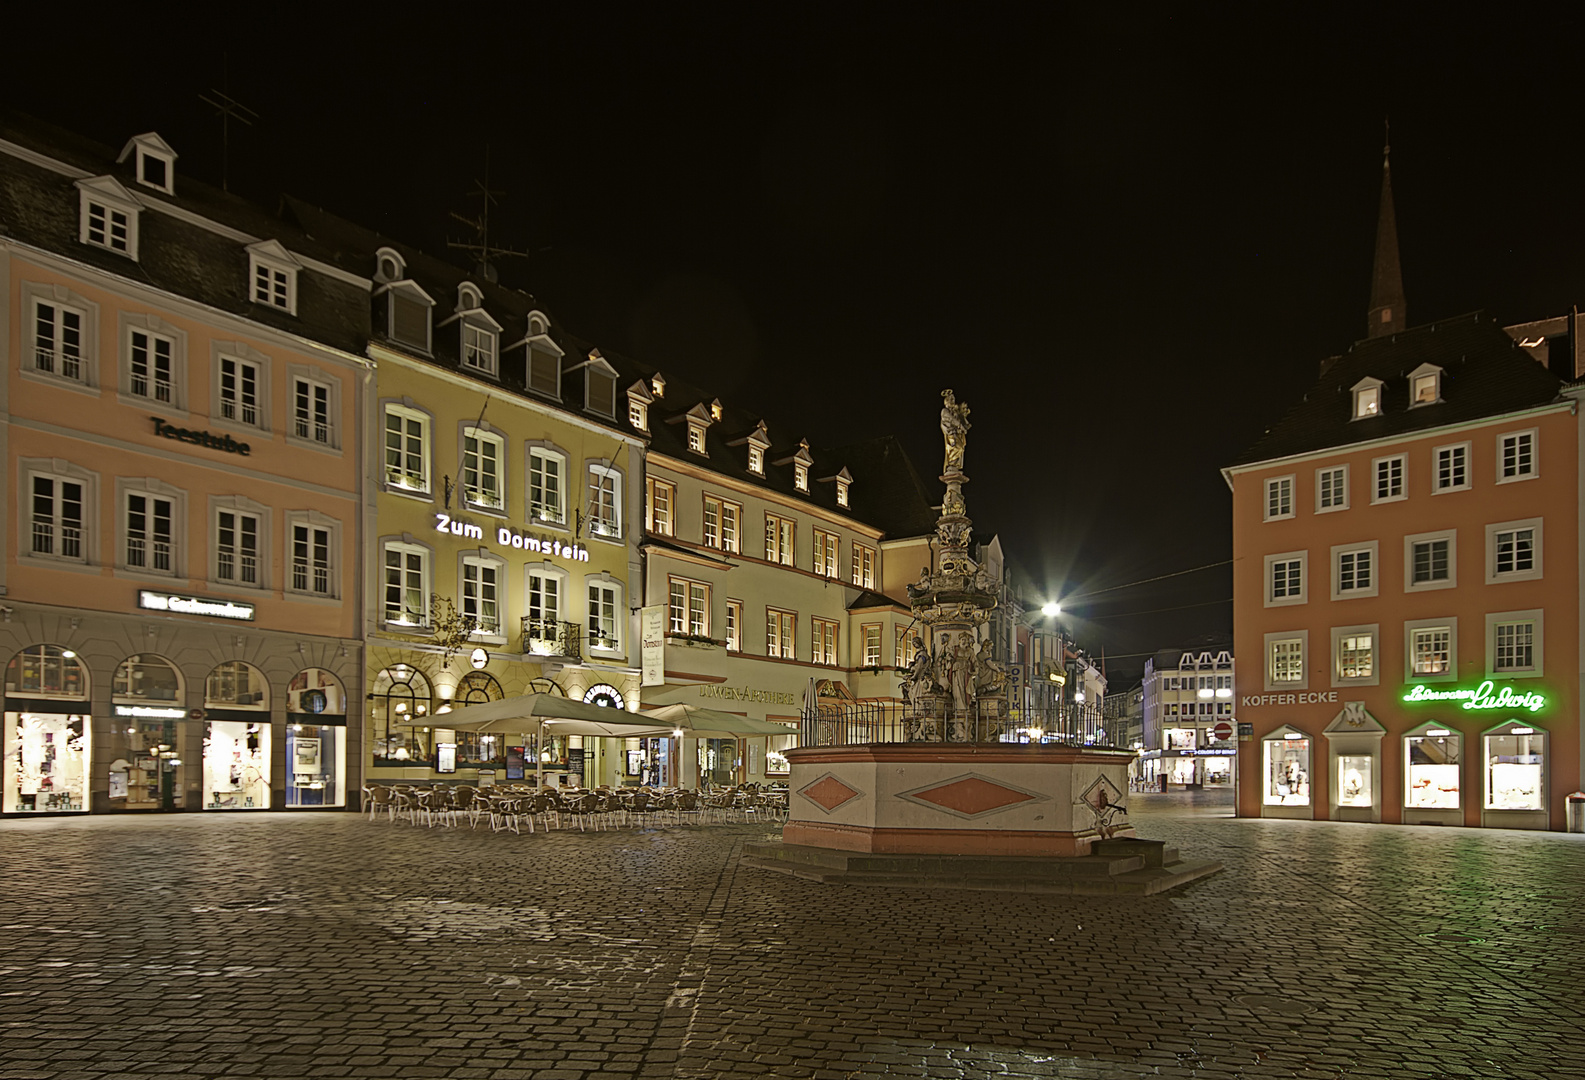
(843, 481)
(638, 403)
(599, 389)
(389, 266)
(1367, 398)
(696, 438)
(842, 493)
(756, 461)
(698, 419)
(407, 314)
(154, 162)
(537, 324)
(801, 459)
(272, 272)
(478, 348)
(480, 332)
(758, 442)
(108, 216)
(1425, 385)
(657, 385)
(544, 357)
(715, 410)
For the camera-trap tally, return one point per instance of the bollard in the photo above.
(1574, 812)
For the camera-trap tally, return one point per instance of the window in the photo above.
(1516, 457)
(1285, 578)
(1431, 649)
(863, 566)
(273, 273)
(406, 584)
(544, 587)
(1354, 571)
(271, 286)
(1331, 488)
(238, 543)
(801, 478)
(826, 551)
(108, 216)
(1279, 498)
(1513, 551)
(546, 472)
(311, 550)
(241, 387)
(778, 539)
(872, 645)
(638, 414)
(781, 629)
(1354, 655)
(1425, 385)
(478, 348)
(1430, 561)
(823, 641)
(482, 483)
(842, 492)
(58, 518)
(599, 385)
(1286, 661)
(605, 604)
(1513, 643)
(481, 578)
(58, 341)
(149, 365)
(409, 308)
(696, 438)
(734, 625)
(1452, 468)
(690, 607)
(544, 370)
(154, 161)
(1367, 398)
(406, 454)
(756, 461)
(721, 523)
(311, 410)
(660, 500)
(1389, 479)
(150, 532)
(605, 501)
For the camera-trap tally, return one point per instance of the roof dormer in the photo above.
(154, 163)
(716, 410)
(469, 298)
(389, 266)
(108, 216)
(1367, 398)
(801, 460)
(657, 384)
(407, 313)
(599, 386)
(758, 442)
(639, 400)
(843, 481)
(479, 345)
(544, 357)
(698, 420)
(272, 275)
(1425, 385)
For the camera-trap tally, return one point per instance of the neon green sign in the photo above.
(1485, 696)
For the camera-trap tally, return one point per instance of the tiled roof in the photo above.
(1485, 373)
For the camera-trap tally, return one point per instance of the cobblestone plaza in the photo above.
(326, 946)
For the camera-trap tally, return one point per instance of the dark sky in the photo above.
(1125, 234)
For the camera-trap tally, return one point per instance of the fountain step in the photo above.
(1088, 875)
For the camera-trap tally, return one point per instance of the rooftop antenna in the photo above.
(229, 109)
(481, 249)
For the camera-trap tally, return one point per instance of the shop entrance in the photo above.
(718, 761)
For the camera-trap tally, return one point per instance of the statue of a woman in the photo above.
(955, 430)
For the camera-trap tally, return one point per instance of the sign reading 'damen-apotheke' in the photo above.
(512, 538)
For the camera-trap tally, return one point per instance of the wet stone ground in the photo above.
(275, 945)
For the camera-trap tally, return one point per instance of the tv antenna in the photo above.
(229, 109)
(481, 249)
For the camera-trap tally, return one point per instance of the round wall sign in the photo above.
(1222, 731)
(606, 695)
(479, 658)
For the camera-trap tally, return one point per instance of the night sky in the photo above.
(1125, 234)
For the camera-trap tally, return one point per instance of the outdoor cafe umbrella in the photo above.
(698, 722)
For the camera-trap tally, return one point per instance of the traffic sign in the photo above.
(1222, 731)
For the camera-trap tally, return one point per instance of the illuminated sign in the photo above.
(604, 695)
(1485, 696)
(149, 712)
(194, 605)
(1313, 697)
(200, 438)
(744, 693)
(512, 538)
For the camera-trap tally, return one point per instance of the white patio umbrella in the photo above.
(698, 722)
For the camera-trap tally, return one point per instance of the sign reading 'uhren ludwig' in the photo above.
(512, 538)
(150, 600)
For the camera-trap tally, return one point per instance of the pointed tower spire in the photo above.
(1386, 286)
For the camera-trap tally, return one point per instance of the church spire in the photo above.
(1386, 286)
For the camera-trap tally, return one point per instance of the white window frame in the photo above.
(654, 520)
(1286, 557)
(486, 346)
(483, 434)
(801, 478)
(783, 645)
(1403, 478)
(610, 590)
(1534, 435)
(60, 298)
(280, 268)
(825, 641)
(756, 460)
(152, 329)
(778, 553)
(1436, 468)
(58, 471)
(733, 625)
(637, 414)
(718, 537)
(1336, 504)
(1276, 482)
(1410, 628)
(1409, 584)
(1302, 639)
(682, 620)
(602, 525)
(870, 635)
(696, 437)
(406, 545)
(826, 554)
(1425, 371)
(300, 375)
(241, 354)
(552, 616)
(1367, 398)
(1370, 548)
(422, 485)
(150, 488)
(240, 507)
(1493, 576)
(1373, 630)
(557, 517)
(1537, 617)
(482, 561)
(313, 521)
(863, 565)
(106, 193)
(147, 148)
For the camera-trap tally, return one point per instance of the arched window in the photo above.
(476, 687)
(47, 671)
(401, 700)
(237, 684)
(315, 692)
(146, 677)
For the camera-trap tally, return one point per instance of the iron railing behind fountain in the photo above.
(855, 723)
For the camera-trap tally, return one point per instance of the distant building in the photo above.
(1186, 693)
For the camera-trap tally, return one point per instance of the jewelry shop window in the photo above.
(46, 733)
(316, 740)
(1433, 760)
(1287, 770)
(237, 743)
(1515, 767)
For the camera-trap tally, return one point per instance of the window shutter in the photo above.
(410, 321)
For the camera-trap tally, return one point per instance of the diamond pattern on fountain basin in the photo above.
(970, 795)
(828, 793)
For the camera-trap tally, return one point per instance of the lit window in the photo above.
(480, 602)
(1279, 498)
(872, 645)
(863, 566)
(1516, 456)
(756, 461)
(1431, 650)
(406, 456)
(696, 438)
(1426, 385)
(842, 493)
(545, 473)
(826, 549)
(406, 585)
(482, 453)
(1287, 661)
(1356, 656)
(823, 641)
(1367, 402)
(605, 501)
(1389, 478)
(780, 634)
(604, 617)
(638, 415)
(690, 607)
(659, 502)
(721, 523)
(543, 632)
(778, 539)
(903, 650)
(801, 477)
(734, 625)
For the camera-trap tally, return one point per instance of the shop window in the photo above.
(46, 758)
(401, 701)
(473, 749)
(1286, 768)
(145, 677)
(1354, 780)
(47, 671)
(237, 765)
(237, 684)
(1433, 763)
(1515, 763)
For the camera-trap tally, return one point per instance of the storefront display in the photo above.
(1515, 769)
(237, 766)
(1287, 771)
(316, 740)
(1353, 780)
(1433, 760)
(46, 762)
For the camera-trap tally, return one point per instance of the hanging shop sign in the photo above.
(606, 695)
(508, 537)
(149, 712)
(1313, 697)
(195, 605)
(746, 693)
(200, 438)
(1488, 695)
(652, 635)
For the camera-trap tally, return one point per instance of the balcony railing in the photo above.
(551, 637)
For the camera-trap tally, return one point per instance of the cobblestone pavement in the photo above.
(325, 946)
